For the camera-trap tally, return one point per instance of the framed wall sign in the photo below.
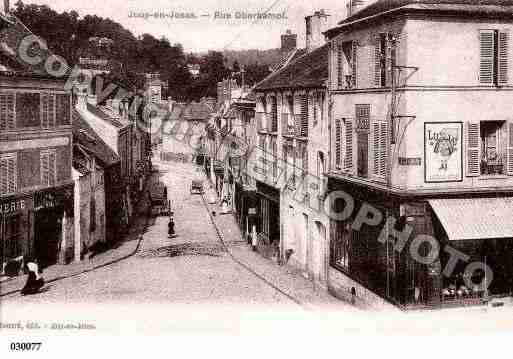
(443, 152)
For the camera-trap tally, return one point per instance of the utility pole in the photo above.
(391, 44)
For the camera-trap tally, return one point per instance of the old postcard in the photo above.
(255, 169)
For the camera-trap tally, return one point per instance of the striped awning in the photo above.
(475, 218)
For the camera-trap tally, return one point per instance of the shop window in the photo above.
(12, 236)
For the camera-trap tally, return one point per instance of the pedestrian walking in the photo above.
(171, 225)
(254, 239)
(34, 280)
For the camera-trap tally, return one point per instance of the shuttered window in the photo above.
(48, 168)
(8, 173)
(304, 115)
(47, 110)
(494, 57)
(7, 117)
(473, 149)
(338, 144)
(349, 139)
(509, 150)
(379, 137)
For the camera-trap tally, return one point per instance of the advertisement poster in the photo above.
(443, 152)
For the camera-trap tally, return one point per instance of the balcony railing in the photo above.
(492, 168)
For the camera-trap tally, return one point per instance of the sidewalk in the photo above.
(286, 279)
(128, 247)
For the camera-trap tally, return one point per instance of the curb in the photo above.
(98, 266)
(247, 267)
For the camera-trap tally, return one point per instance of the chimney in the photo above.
(7, 6)
(288, 41)
(316, 24)
(81, 93)
(353, 6)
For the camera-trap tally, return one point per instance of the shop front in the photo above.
(53, 225)
(15, 227)
(267, 220)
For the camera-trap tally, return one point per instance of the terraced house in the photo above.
(36, 188)
(422, 131)
(293, 141)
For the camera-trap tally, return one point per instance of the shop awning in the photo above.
(475, 218)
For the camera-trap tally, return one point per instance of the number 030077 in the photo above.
(25, 346)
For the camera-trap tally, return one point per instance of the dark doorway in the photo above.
(47, 233)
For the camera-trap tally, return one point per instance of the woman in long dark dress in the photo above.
(34, 280)
(171, 226)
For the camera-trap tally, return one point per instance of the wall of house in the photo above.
(444, 88)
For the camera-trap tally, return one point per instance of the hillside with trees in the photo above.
(69, 35)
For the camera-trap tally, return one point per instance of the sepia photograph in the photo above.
(333, 175)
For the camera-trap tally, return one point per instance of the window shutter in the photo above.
(7, 118)
(3, 175)
(473, 149)
(8, 173)
(378, 143)
(374, 140)
(349, 137)
(304, 116)
(47, 110)
(274, 115)
(503, 58)
(377, 64)
(383, 158)
(354, 64)
(44, 169)
(338, 144)
(486, 43)
(340, 70)
(509, 155)
(52, 166)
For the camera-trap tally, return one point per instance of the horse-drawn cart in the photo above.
(159, 202)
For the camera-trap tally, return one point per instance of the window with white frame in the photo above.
(48, 167)
(8, 173)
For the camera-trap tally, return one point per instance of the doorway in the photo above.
(47, 233)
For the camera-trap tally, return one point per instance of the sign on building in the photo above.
(443, 155)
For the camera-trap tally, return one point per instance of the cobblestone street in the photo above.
(191, 268)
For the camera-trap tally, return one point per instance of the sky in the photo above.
(207, 33)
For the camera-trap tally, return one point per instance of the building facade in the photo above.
(421, 133)
(36, 188)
